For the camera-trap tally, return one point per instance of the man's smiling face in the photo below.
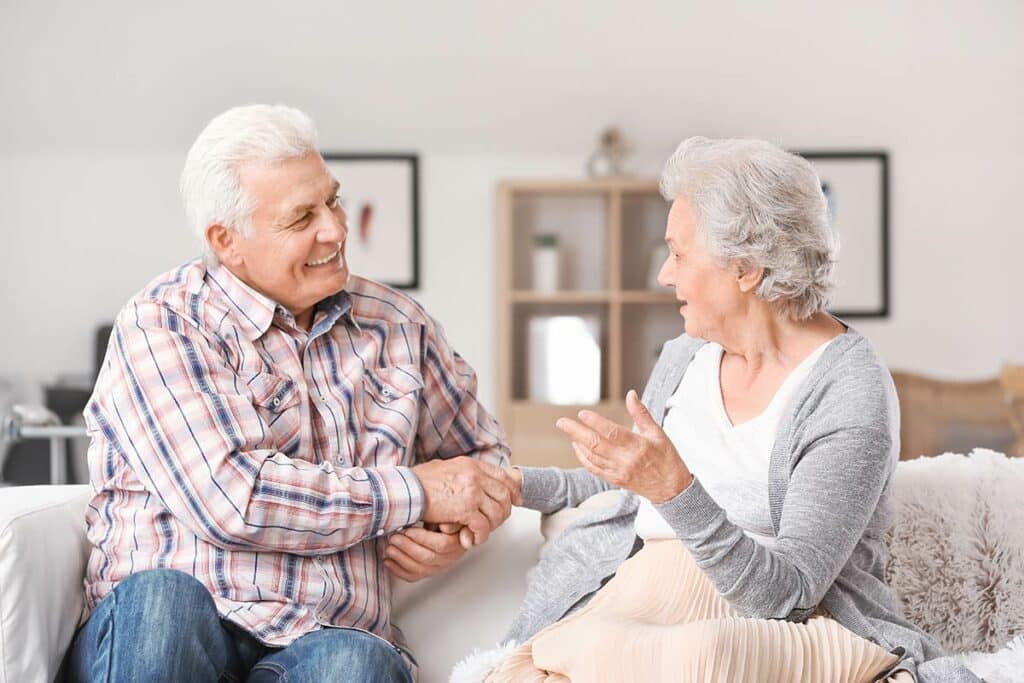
(295, 250)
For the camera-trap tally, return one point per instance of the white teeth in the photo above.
(322, 261)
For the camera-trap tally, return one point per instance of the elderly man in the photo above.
(267, 434)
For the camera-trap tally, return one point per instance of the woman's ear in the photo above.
(748, 277)
(224, 242)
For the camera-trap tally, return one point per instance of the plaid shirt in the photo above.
(268, 462)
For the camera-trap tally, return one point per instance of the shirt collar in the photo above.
(256, 310)
(333, 308)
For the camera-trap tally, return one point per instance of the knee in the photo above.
(335, 654)
(378, 659)
(162, 597)
(167, 590)
(363, 657)
(152, 622)
(709, 636)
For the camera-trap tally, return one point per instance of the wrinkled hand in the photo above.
(644, 462)
(466, 492)
(414, 553)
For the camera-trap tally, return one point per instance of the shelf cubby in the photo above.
(607, 232)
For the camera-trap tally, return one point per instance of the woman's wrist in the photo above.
(675, 485)
(517, 478)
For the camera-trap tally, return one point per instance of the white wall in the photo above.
(99, 104)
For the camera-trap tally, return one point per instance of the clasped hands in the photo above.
(465, 500)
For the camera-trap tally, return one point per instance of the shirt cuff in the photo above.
(549, 489)
(692, 513)
(496, 455)
(398, 499)
(540, 484)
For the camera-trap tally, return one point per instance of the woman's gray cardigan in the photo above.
(828, 491)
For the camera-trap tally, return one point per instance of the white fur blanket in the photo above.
(957, 547)
(957, 561)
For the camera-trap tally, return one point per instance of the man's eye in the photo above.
(302, 220)
(334, 202)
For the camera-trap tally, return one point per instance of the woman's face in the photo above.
(709, 292)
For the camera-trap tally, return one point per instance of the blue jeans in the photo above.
(162, 625)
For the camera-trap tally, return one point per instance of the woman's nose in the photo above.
(665, 276)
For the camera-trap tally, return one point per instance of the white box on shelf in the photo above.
(564, 359)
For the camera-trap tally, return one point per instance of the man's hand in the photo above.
(415, 553)
(467, 492)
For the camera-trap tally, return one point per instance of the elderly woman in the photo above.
(761, 466)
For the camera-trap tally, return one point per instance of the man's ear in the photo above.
(224, 242)
(748, 277)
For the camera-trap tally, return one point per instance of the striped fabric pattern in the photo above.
(268, 462)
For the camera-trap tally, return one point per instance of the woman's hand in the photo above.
(644, 462)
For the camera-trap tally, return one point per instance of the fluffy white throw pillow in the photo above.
(957, 547)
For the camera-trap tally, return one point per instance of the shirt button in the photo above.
(386, 393)
(276, 402)
(380, 533)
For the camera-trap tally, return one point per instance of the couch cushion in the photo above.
(446, 617)
(43, 551)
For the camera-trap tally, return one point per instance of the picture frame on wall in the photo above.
(380, 194)
(856, 185)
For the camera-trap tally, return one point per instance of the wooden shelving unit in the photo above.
(607, 229)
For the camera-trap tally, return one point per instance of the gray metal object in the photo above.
(37, 422)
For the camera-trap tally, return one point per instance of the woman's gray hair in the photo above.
(210, 186)
(760, 206)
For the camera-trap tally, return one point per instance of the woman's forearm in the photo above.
(549, 489)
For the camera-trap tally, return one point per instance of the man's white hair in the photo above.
(760, 206)
(210, 186)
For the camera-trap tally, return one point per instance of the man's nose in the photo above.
(335, 227)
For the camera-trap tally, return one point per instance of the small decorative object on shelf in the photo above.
(610, 156)
(546, 263)
(565, 359)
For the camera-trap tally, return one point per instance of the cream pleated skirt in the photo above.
(661, 619)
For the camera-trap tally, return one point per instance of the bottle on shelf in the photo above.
(546, 263)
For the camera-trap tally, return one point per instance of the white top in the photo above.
(730, 461)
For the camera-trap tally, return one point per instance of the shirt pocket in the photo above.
(276, 400)
(391, 405)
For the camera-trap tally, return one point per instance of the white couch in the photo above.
(957, 546)
(43, 550)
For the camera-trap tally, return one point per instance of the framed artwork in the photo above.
(380, 193)
(856, 185)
